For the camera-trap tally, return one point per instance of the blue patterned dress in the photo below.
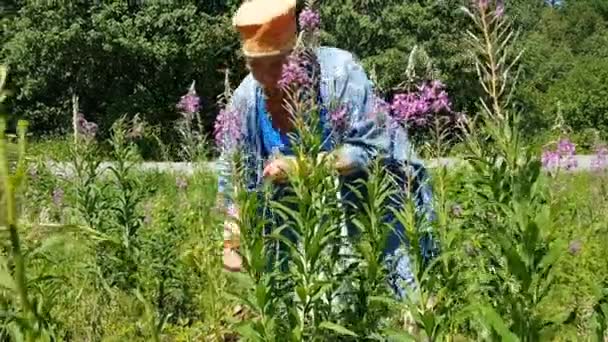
(364, 138)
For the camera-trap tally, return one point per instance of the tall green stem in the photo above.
(10, 183)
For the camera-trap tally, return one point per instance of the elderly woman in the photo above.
(257, 120)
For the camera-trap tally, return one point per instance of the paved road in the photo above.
(65, 169)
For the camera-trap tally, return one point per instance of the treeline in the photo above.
(139, 57)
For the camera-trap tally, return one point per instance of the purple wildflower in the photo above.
(598, 164)
(338, 116)
(550, 159)
(417, 107)
(227, 128)
(86, 128)
(601, 151)
(310, 20)
(437, 85)
(575, 247)
(189, 103)
(294, 72)
(441, 103)
(500, 8)
(58, 195)
(601, 158)
(563, 157)
(565, 147)
(402, 107)
(482, 4)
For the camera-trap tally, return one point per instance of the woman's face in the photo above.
(267, 70)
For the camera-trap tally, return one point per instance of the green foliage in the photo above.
(148, 54)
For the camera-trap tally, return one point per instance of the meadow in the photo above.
(125, 255)
(137, 256)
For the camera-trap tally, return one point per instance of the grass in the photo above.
(179, 262)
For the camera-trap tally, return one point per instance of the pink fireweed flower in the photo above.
(563, 157)
(86, 128)
(189, 103)
(500, 8)
(441, 103)
(418, 107)
(565, 147)
(600, 162)
(338, 117)
(232, 211)
(310, 20)
(437, 85)
(403, 107)
(227, 128)
(601, 151)
(550, 159)
(294, 72)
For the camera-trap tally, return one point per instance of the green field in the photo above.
(83, 276)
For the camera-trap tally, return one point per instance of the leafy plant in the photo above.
(27, 322)
(509, 183)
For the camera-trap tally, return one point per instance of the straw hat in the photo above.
(266, 27)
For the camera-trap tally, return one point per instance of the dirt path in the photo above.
(585, 163)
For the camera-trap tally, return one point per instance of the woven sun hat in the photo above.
(266, 27)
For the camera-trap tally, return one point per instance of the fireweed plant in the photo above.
(519, 242)
(190, 127)
(23, 317)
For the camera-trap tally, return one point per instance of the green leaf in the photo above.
(491, 318)
(337, 328)
(6, 280)
(516, 265)
(399, 336)
(261, 294)
(552, 255)
(531, 238)
(301, 291)
(383, 300)
(247, 331)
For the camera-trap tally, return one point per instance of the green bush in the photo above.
(140, 57)
(583, 95)
(118, 58)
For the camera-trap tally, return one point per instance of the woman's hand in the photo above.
(337, 160)
(232, 260)
(278, 169)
